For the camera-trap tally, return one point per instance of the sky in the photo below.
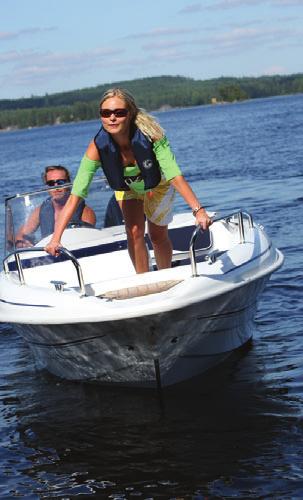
(49, 46)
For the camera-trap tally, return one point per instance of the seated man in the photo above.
(46, 215)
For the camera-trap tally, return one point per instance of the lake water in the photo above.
(235, 432)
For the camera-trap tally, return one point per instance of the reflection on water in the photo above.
(213, 436)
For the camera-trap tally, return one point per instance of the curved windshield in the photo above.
(30, 217)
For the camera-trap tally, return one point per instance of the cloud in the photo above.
(11, 35)
(5, 35)
(243, 35)
(230, 4)
(229, 42)
(191, 8)
(30, 68)
(171, 55)
(161, 32)
(219, 4)
(229, 45)
(12, 56)
(163, 45)
(275, 70)
(288, 3)
(243, 38)
(57, 60)
(232, 43)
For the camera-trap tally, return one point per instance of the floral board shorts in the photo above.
(158, 203)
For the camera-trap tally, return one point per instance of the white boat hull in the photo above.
(178, 328)
(185, 343)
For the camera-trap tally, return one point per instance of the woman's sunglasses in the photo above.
(119, 112)
(56, 182)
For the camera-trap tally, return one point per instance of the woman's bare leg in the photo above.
(133, 215)
(161, 244)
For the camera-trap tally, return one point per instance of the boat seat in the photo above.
(140, 290)
(180, 238)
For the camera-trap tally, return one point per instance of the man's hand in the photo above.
(23, 243)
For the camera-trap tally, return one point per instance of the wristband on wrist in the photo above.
(196, 210)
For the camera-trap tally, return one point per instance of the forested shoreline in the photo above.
(154, 93)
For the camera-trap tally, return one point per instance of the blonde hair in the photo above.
(144, 121)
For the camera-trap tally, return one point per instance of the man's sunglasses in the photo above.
(56, 182)
(119, 112)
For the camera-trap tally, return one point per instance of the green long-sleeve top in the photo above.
(165, 157)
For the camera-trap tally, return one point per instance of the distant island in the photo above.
(152, 94)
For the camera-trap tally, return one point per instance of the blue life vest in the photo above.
(47, 216)
(112, 164)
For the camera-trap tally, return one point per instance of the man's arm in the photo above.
(29, 227)
(88, 215)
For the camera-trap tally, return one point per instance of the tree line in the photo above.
(152, 94)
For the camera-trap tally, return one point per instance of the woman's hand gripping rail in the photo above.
(64, 218)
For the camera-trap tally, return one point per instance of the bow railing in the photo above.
(16, 254)
(236, 218)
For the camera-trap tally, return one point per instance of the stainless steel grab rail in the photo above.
(240, 221)
(192, 251)
(16, 253)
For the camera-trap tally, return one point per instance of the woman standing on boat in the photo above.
(139, 165)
